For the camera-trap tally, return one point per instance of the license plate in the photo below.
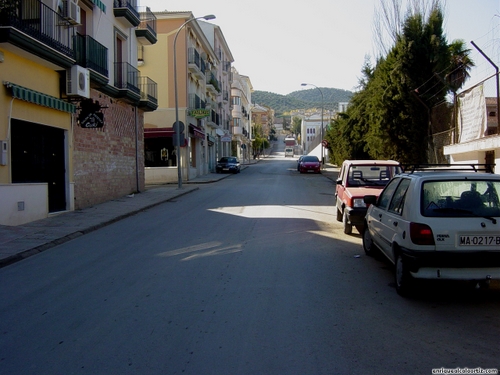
(479, 241)
(225, 169)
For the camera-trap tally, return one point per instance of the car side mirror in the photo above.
(339, 181)
(370, 199)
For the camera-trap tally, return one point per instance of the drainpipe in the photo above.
(137, 149)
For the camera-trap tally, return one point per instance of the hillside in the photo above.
(301, 99)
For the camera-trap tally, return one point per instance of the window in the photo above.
(235, 100)
(398, 199)
(386, 194)
(460, 198)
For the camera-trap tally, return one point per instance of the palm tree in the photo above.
(460, 65)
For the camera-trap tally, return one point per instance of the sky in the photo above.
(280, 45)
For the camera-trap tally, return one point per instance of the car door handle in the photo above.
(395, 223)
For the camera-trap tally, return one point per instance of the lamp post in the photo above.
(177, 127)
(322, 110)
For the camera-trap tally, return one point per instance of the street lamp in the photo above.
(177, 127)
(322, 110)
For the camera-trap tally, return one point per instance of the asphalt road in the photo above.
(249, 275)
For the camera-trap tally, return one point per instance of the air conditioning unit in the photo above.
(71, 11)
(78, 81)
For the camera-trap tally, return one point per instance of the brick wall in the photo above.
(104, 160)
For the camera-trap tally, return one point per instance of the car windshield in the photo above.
(461, 198)
(227, 160)
(371, 175)
(310, 159)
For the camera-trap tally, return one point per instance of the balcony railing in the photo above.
(126, 77)
(195, 102)
(91, 54)
(40, 22)
(146, 31)
(128, 10)
(196, 63)
(149, 89)
(212, 81)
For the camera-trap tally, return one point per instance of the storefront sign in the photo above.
(199, 113)
(92, 120)
(90, 116)
(226, 138)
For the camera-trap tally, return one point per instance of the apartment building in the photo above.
(72, 104)
(219, 122)
(203, 62)
(241, 125)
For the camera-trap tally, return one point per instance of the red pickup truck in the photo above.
(358, 178)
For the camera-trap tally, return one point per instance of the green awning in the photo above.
(35, 97)
(99, 4)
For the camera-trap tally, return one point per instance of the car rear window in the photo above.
(460, 198)
(371, 175)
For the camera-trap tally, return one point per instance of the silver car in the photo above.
(437, 224)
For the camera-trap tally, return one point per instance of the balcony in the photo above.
(127, 82)
(212, 83)
(146, 31)
(126, 11)
(196, 65)
(226, 67)
(40, 32)
(195, 102)
(149, 94)
(91, 54)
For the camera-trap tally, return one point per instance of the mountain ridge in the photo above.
(302, 99)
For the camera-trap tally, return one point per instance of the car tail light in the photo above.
(421, 234)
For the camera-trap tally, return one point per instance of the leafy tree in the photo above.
(390, 116)
(296, 125)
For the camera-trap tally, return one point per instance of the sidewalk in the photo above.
(22, 241)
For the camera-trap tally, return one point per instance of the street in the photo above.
(248, 275)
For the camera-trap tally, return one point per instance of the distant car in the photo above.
(358, 178)
(437, 224)
(229, 164)
(309, 164)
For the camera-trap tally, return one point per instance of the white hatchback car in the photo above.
(436, 223)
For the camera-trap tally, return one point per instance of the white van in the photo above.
(288, 151)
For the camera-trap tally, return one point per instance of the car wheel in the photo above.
(404, 280)
(347, 225)
(368, 245)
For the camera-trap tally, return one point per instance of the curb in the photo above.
(71, 236)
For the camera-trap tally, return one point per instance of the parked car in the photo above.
(437, 224)
(309, 163)
(358, 178)
(228, 164)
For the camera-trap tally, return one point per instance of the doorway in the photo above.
(38, 155)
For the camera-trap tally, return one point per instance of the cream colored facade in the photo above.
(241, 99)
(202, 57)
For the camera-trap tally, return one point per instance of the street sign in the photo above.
(181, 127)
